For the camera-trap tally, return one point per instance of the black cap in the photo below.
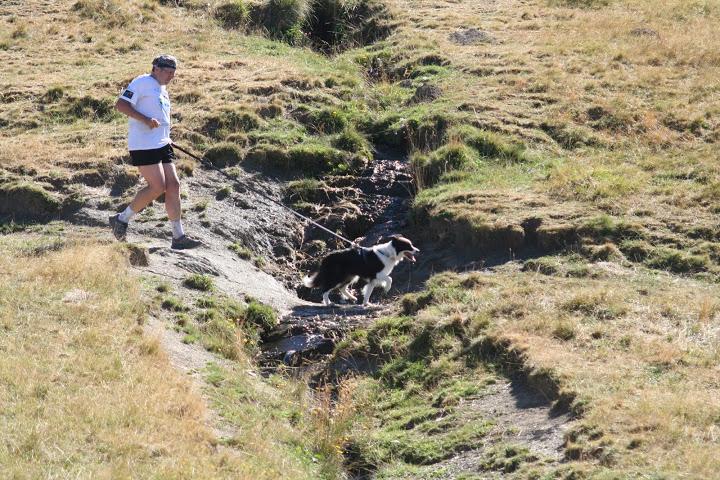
(165, 61)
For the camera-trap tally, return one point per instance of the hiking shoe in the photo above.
(118, 227)
(184, 243)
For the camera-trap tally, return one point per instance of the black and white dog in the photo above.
(340, 269)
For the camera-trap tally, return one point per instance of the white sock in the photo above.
(126, 215)
(177, 228)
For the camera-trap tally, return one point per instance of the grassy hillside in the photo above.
(578, 136)
(570, 142)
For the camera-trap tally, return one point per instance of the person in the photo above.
(147, 104)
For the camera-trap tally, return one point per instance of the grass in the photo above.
(263, 316)
(199, 282)
(23, 199)
(641, 333)
(115, 385)
(173, 304)
(222, 325)
(430, 168)
(224, 155)
(293, 420)
(232, 15)
(413, 430)
(605, 160)
(241, 251)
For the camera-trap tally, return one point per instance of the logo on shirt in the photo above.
(128, 94)
(164, 103)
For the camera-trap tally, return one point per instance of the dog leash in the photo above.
(208, 163)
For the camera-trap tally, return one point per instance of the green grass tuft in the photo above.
(224, 155)
(241, 251)
(261, 315)
(429, 168)
(282, 19)
(491, 145)
(173, 304)
(350, 140)
(229, 121)
(232, 15)
(199, 282)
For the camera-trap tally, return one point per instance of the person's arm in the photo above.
(126, 108)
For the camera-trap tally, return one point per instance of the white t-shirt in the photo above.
(151, 99)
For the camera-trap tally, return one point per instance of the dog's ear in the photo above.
(389, 238)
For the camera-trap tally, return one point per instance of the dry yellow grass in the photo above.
(647, 64)
(91, 57)
(86, 395)
(640, 350)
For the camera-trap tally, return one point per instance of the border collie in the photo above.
(340, 269)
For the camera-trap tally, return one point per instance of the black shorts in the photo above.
(151, 157)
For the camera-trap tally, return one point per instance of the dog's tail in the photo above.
(309, 280)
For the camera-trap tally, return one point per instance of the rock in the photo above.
(291, 358)
(137, 256)
(470, 36)
(644, 32)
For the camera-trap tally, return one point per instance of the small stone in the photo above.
(470, 36)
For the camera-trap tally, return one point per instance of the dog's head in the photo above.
(403, 247)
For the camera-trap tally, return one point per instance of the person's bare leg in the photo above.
(172, 206)
(172, 192)
(154, 175)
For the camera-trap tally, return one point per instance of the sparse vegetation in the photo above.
(421, 353)
(131, 394)
(174, 304)
(241, 251)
